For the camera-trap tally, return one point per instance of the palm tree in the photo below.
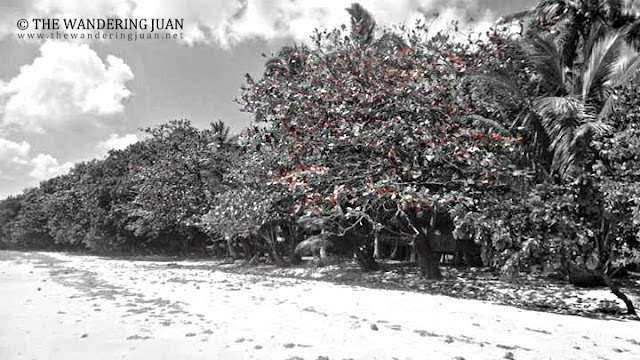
(362, 24)
(575, 101)
(582, 13)
(220, 133)
(289, 60)
(580, 21)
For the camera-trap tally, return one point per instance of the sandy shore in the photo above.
(57, 306)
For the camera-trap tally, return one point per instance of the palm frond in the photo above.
(560, 117)
(558, 107)
(551, 8)
(362, 24)
(625, 68)
(220, 131)
(600, 63)
(620, 69)
(547, 62)
(531, 120)
(598, 31)
(608, 108)
(526, 117)
(589, 128)
(568, 39)
(564, 153)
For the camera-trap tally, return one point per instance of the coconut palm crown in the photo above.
(575, 100)
(576, 21)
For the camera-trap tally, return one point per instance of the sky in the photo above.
(63, 101)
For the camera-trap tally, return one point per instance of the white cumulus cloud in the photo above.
(64, 84)
(46, 166)
(117, 142)
(16, 161)
(13, 157)
(12, 151)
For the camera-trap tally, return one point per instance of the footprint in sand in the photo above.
(425, 333)
(448, 339)
(138, 337)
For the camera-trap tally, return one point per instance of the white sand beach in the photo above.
(58, 306)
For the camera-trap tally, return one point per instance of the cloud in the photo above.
(66, 83)
(46, 166)
(18, 168)
(117, 142)
(15, 161)
(12, 10)
(228, 22)
(11, 150)
(80, 8)
(13, 157)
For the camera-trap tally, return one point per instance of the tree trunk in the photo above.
(294, 236)
(277, 258)
(376, 246)
(426, 258)
(246, 247)
(322, 256)
(186, 247)
(295, 259)
(616, 291)
(604, 254)
(394, 252)
(270, 237)
(413, 256)
(218, 250)
(231, 251)
(366, 260)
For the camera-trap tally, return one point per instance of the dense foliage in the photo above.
(143, 198)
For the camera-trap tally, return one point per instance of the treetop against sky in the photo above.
(64, 101)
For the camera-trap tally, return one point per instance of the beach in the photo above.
(61, 306)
